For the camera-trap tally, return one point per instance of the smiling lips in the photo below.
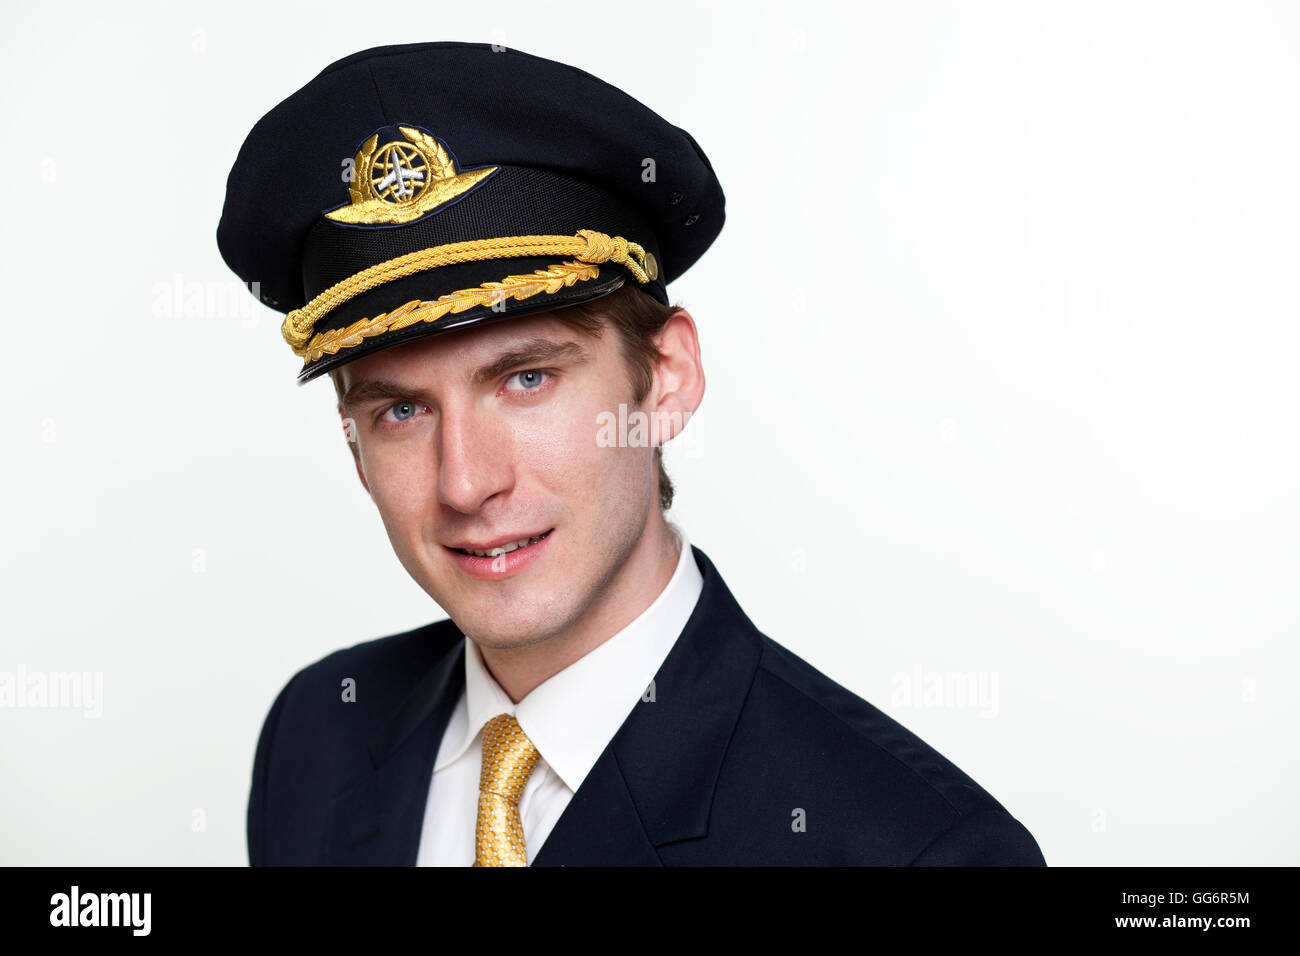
(504, 560)
(504, 547)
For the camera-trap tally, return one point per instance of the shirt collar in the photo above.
(572, 715)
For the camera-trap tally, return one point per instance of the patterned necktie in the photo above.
(508, 759)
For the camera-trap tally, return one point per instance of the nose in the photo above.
(475, 459)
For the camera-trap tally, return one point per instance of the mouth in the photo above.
(507, 548)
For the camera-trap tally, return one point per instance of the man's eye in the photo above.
(529, 379)
(402, 411)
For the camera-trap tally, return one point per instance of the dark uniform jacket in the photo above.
(744, 754)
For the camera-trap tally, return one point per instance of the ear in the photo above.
(679, 377)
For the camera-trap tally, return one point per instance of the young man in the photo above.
(486, 287)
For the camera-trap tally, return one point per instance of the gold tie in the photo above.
(508, 759)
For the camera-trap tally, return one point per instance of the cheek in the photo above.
(399, 476)
(556, 452)
(565, 456)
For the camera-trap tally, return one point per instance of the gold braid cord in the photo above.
(588, 247)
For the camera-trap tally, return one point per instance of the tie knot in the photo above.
(508, 758)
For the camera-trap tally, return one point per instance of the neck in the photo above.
(640, 580)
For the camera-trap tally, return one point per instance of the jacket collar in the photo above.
(653, 784)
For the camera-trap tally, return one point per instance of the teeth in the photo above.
(505, 548)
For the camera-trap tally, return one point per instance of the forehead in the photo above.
(463, 350)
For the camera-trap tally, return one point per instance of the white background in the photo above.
(1001, 349)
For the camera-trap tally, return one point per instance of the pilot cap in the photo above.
(410, 190)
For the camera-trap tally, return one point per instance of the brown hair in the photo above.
(638, 318)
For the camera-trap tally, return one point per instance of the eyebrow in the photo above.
(534, 351)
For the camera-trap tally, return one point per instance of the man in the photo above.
(486, 287)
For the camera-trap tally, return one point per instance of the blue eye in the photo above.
(530, 379)
(403, 410)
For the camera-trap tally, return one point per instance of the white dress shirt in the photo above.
(570, 718)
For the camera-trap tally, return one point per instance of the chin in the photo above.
(502, 628)
(499, 636)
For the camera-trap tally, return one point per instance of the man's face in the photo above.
(486, 435)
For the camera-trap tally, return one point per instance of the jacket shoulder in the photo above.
(391, 665)
(317, 734)
(883, 795)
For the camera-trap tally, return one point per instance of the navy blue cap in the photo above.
(408, 190)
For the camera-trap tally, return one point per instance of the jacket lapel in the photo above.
(655, 781)
(652, 785)
(377, 819)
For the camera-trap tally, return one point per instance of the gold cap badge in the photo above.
(402, 181)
